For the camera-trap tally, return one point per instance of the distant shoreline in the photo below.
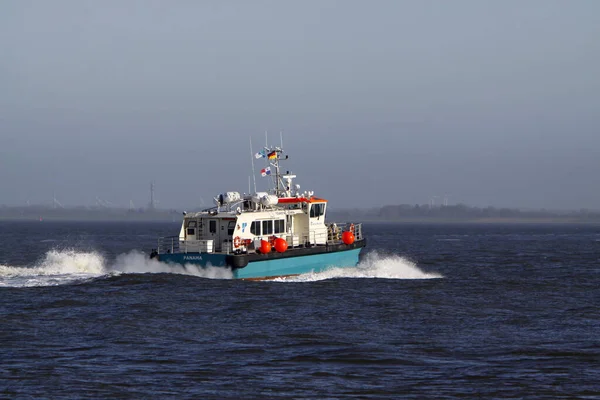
(441, 221)
(90, 215)
(458, 214)
(481, 221)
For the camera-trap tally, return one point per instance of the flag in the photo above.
(265, 171)
(260, 154)
(272, 155)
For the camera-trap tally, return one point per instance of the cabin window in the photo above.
(191, 231)
(267, 227)
(191, 224)
(230, 227)
(255, 228)
(317, 210)
(279, 226)
(212, 226)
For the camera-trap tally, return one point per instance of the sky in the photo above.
(380, 102)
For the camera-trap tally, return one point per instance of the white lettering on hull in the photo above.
(192, 258)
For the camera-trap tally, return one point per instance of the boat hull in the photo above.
(298, 265)
(265, 266)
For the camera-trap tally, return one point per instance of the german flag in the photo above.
(272, 155)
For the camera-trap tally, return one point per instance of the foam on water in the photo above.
(136, 262)
(57, 267)
(60, 267)
(374, 265)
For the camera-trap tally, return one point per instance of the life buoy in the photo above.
(351, 228)
(237, 242)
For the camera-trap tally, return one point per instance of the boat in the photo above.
(264, 235)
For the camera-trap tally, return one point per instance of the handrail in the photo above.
(168, 244)
(172, 244)
(336, 236)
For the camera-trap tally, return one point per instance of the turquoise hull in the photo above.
(298, 265)
(271, 267)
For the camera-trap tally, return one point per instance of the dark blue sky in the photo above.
(386, 102)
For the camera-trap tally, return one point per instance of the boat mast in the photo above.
(276, 165)
(278, 176)
(253, 172)
(280, 189)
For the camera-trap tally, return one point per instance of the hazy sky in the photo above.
(381, 102)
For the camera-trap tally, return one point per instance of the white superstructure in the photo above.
(240, 222)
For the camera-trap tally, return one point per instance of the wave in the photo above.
(135, 262)
(374, 265)
(60, 267)
(57, 267)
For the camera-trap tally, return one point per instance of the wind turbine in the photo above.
(432, 201)
(103, 203)
(55, 203)
(446, 196)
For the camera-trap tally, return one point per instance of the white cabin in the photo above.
(298, 220)
(238, 223)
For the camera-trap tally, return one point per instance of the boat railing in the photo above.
(168, 244)
(172, 244)
(293, 240)
(335, 230)
(358, 235)
(314, 237)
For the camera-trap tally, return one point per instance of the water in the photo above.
(432, 311)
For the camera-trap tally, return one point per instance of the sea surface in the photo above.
(431, 311)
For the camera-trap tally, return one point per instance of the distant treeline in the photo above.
(461, 212)
(391, 213)
(86, 214)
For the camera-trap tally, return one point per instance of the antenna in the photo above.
(281, 138)
(253, 172)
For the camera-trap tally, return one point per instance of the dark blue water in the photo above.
(433, 311)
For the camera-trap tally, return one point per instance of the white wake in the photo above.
(57, 267)
(136, 263)
(60, 267)
(374, 265)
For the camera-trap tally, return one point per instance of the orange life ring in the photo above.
(237, 242)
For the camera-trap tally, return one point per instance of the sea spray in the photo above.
(56, 268)
(373, 265)
(136, 262)
(61, 267)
